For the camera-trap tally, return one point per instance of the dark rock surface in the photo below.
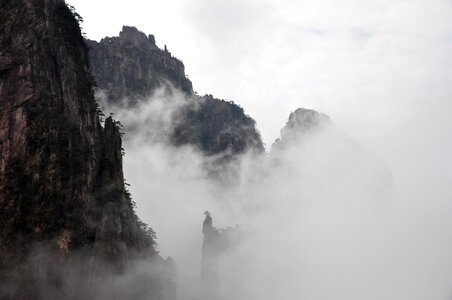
(61, 179)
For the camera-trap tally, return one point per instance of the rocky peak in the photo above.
(130, 67)
(128, 70)
(304, 119)
(216, 127)
(131, 36)
(217, 241)
(301, 121)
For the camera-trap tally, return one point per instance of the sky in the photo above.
(381, 70)
(360, 62)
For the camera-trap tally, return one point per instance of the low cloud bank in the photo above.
(328, 220)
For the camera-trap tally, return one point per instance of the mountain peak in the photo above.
(306, 119)
(130, 34)
(300, 122)
(132, 66)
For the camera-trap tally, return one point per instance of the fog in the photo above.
(328, 218)
(325, 223)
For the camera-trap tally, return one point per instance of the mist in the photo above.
(329, 178)
(327, 218)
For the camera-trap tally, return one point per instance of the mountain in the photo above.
(216, 127)
(130, 68)
(64, 208)
(302, 121)
(312, 141)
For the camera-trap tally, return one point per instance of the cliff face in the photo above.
(61, 180)
(130, 67)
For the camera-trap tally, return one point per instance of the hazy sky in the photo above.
(360, 62)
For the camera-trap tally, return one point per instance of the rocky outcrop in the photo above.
(216, 127)
(130, 66)
(311, 139)
(216, 241)
(62, 189)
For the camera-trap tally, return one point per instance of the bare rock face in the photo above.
(62, 189)
(131, 67)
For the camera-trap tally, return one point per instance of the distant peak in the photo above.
(301, 121)
(305, 119)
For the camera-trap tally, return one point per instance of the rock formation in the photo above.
(129, 68)
(302, 121)
(63, 203)
(321, 144)
(216, 242)
(216, 127)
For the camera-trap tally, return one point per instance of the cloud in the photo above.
(324, 224)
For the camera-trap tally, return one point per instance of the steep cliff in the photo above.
(62, 189)
(130, 68)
